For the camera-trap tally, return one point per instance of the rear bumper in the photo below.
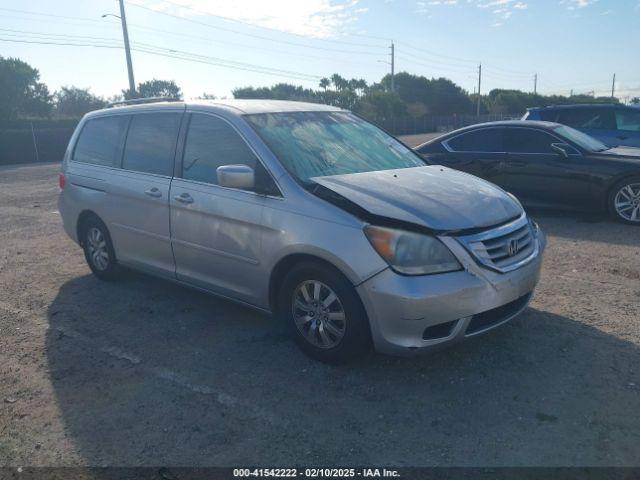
(413, 314)
(69, 213)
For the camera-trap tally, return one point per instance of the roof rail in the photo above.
(142, 101)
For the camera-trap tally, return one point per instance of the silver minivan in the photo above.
(303, 210)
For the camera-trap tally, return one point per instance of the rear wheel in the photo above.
(624, 201)
(98, 249)
(324, 313)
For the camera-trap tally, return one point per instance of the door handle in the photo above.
(184, 198)
(153, 192)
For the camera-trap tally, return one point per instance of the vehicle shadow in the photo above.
(149, 373)
(586, 226)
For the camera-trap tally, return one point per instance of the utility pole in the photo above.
(393, 65)
(535, 84)
(125, 34)
(613, 87)
(479, 84)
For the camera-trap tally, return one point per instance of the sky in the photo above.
(214, 46)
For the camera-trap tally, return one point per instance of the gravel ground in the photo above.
(143, 372)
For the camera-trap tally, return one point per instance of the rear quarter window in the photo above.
(100, 141)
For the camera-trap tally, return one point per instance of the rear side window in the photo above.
(484, 140)
(211, 143)
(598, 118)
(151, 143)
(628, 120)
(526, 140)
(100, 141)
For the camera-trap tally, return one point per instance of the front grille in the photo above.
(483, 321)
(504, 248)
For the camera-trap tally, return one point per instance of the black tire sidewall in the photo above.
(357, 337)
(612, 197)
(111, 271)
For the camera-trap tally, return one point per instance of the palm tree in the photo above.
(324, 83)
(338, 81)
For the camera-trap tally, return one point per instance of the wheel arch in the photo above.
(287, 262)
(614, 182)
(83, 218)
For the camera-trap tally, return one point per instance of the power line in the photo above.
(260, 37)
(180, 55)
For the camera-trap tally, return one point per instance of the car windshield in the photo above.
(582, 139)
(317, 144)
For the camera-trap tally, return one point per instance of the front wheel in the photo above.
(324, 313)
(624, 201)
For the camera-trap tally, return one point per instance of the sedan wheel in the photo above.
(627, 202)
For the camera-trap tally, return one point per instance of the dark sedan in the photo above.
(545, 164)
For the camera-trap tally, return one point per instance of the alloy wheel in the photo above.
(627, 202)
(318, 314)
(97, 246)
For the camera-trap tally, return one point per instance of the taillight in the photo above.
(61, 180)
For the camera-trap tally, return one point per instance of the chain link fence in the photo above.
(28, 141)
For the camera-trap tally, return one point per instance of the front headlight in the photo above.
(411, 253)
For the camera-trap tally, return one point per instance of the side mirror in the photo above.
(561, 148)
(236, 176)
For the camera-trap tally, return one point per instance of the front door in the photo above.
(216, 231)
(538, 175)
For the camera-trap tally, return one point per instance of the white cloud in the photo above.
(502, 10)
(313, 18)
(577, 4)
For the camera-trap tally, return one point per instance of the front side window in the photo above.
(526, 140)
(151, 143)
(212, 143)
(317, 144)
(628, 120)
(484, 140)
(100, 141)
(597, 118)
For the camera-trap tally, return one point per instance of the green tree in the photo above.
(75, 102)
(21, 92)
(324, 83)
(635, 100)
(339, 82)
(436, 96)
(155, 88)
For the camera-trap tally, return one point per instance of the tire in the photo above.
(624, 201)
(98, 249)
(349, 338)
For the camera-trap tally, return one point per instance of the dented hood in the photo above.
(434, 197)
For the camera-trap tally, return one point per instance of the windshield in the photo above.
(317, 144)
(582, 139)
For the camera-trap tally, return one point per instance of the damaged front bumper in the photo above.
(410, 314)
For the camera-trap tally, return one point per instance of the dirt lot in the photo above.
(143, 372)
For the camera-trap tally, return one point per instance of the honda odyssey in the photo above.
(303, 210)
